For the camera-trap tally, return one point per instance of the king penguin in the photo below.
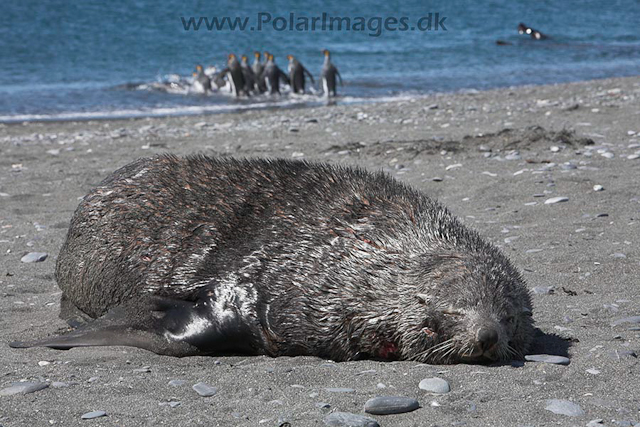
(236, 76)
(201, 82)
(296, 75)
(248, 74)
(272, 75)
(328, 75)
(258, 69)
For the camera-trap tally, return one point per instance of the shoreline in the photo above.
(268, 104)
(492, 157)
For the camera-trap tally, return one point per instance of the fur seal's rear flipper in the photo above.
(120, 326)
(166, 326)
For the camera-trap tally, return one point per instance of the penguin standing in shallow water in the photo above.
(328, 75)
(247, 73)
(272, 75)
(236, 76)
(296, 75)
(201, 82)
(258, 69)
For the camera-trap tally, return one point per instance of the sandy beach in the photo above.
(498, 159)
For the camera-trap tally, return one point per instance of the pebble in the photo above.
(454, 166)
(436, 179)
(435, 385)
(385, 405)
(548, 358)
(555, 148)
(543, 290)
(633, 156)
(171, 403)
(564, 407)
(595, 423)
(346, 419)
(34, 257)
(205, 390)
(144, 369)
(554, 200)
(59, 384)
(598, 187)
(593, 371)
(43, 363)
(608, 155)
(94, 414)
(340, 390)
(177, 383)
(23, 388)
(632, 319)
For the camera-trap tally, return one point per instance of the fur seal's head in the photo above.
(470, 307)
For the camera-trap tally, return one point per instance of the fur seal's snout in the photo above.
(185, 256)
(487, 338)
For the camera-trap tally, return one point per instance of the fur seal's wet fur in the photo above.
(196, 255)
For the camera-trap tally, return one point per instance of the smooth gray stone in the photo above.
(555, 200)
(177, 383)
(564, 407)
(23, 388)
(345, 419)
(205, 390)
(340, 390)
(59, 384)
(94, 414)
(548, 358)
(385, 405)
(34, 257)
(435, 385)
(543, 290)
(632, 319)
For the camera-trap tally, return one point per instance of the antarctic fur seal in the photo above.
(198, 255)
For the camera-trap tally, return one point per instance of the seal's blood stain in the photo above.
(388, 350)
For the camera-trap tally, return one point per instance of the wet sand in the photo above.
(492, 157)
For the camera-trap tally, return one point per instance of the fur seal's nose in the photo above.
(487, 338)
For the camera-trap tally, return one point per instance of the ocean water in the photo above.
(64, 59)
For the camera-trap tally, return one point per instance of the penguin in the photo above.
(201, 82)
(272, 75)
(296, 75)
(216, 77)
(258, 68)
(328, 75)
(533, 33)
(236, 76)
(248, 74)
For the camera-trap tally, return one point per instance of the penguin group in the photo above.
(244, 79)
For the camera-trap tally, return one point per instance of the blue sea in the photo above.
(63, 60)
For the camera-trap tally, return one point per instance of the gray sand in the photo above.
(493, 154)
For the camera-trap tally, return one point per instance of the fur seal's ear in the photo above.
(423, 298)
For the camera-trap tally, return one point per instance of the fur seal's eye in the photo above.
(508, 320)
